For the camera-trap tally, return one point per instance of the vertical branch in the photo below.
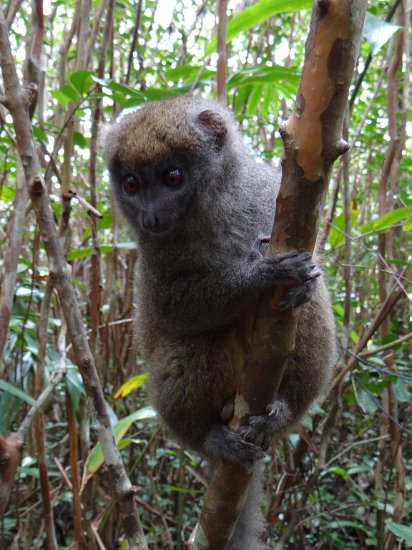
(17, 101)
(13, 8)
(136, 28)
(312, 142)
(81, 55)
(385, 246)
(95, 259)
(222, 52)
(34, 57)
(83, 34)
(98, 18)
(33, 73)
(38, 420)
(397, 131)
(74, 466)
(348, 237)
(11, 259)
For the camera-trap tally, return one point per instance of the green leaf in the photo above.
(385, 222)
(61, 97)
(96, 458)
(354, 336)
(17, 392)
(401, 531)
(70, 92)
(253, 15)
(363, 398)
(403, 391)
(339, 523)
(339, 471)
(76, 253)
(87, 251)
(254, 99)
(39, 133)
(80, 140)
(188, 73)
(7, 193)
(121, 92)
(337, 231)
(75, 386)
(106, 248)
(378, 32)
(104, 82)
(182, 490)
(82, 81)
(125, 90)
(32, 472)
(130, 385)
(338, 311)
(126, 103)
(391, 218)
(268, 101)
(262, 74)
(106, 220)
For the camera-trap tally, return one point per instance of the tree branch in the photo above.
(312, 142)
(222, 52)
(16, 100)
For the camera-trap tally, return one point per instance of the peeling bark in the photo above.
(312, 142)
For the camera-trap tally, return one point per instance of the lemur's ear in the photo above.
(213, 125)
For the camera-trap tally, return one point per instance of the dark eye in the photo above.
(172, 177)
(130, 184)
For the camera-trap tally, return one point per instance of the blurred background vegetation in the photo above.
(341, 480)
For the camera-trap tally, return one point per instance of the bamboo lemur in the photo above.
(197, 203)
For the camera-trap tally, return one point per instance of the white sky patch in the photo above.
(164, 12)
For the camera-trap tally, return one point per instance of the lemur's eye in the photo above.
(130, 184)
(172, 177)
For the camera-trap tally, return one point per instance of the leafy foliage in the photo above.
(339, 500)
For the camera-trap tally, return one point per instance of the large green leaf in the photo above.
(130, 97)
(188, 73)
(254, 99)
(61, 97)
(385, 222)
(253, 15)
(75, 386)
(401, 531)
(263, 74)
(17, 392)
(96, 457)
(82, 80)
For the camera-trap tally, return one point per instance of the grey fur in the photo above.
(200, 271)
